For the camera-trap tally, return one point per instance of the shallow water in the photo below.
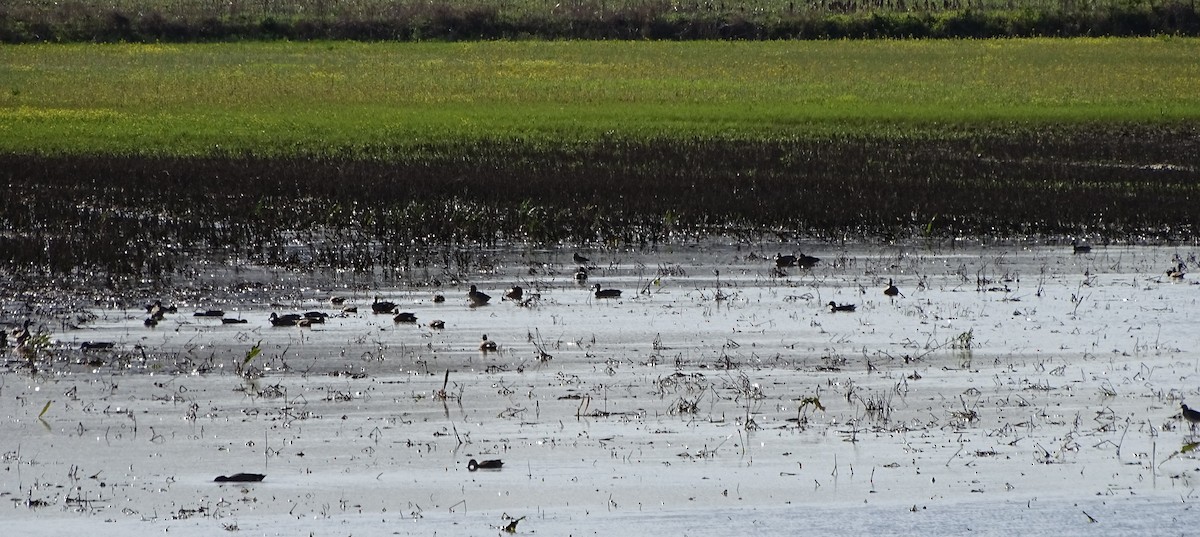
(1010, 382)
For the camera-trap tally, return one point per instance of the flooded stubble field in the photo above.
(1007, 388)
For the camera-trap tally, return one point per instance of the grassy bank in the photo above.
(135, 158)
(419, 20)
(313, 98)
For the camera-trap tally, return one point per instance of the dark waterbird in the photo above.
(382, 306)
(835, 307)
(606, 293)
(487, 345)
(892, 290)
(491, 464)
(514, 293)
(1190, 415)
(579, 260)
(209, 313)
(229, 320)
(1080, 248)
(96, 346)
(240, 478)
(581, 274)
(405, 317)
(291, 319)
(477, 298)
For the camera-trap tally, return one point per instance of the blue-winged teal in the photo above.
(477, 298)
(487, 345)
(606, 293)
(240, 478)
(491, 464)
(383, 306)
(835, 307)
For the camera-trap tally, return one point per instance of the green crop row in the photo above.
(310, 98)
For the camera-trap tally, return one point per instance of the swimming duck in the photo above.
(405, 317)
(228, 320)
(383, 306)
(492, 464)
(807, 261)
(477, 298)
(835, 307)
(209, 313)
(579, 260)
(315, 316)
(515, 293)
(291, 319)
(892, 290)
(337, 300)
(438, 298)
(487, 345)
(785, 260)
(240, 478)
(1178, 272)
(606, 293)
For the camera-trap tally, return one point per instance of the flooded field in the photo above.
(1004, 388)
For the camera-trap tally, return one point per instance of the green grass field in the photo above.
(281, 98)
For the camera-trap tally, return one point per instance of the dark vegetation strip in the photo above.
(24, 21)
(145, 215)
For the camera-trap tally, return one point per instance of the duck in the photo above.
(96, 346)
(491, 464)
(487, 345)
(209, 313)
(579, 260)
(382, 306)
(1080, 248)
(157, 306)
(337, 300)
(785, 260)
(807, 261)
(892, 290)
(606, 293)
(477, 298)
(291, 319)
(835, 307)
(405, 317)
(1191, 416)
(229, 320)
(437, 324)
(581, 274)
(315, 316)
(1178, 272)
(514, 293)
(438, 298)
(22, 334)
(150, 322)
(240, 477)
(350, 309)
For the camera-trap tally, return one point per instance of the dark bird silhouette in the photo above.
(892, 290)
(1080, 248)
(96, 346)
(405, 317)
(579, 260)
(383, 306)
(438, 298)
(477, 298)
(228, 320)
(209, 313)
(785, 260)
(487, 345)
(606, 293)
(240, 478)
(835, 307)
(1189, 415)
(291, 319)
(337, 300)
(581, 274)
(515, 293)
(807, 261)
(492, 464)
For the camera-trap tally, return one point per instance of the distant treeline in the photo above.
(405, 20)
